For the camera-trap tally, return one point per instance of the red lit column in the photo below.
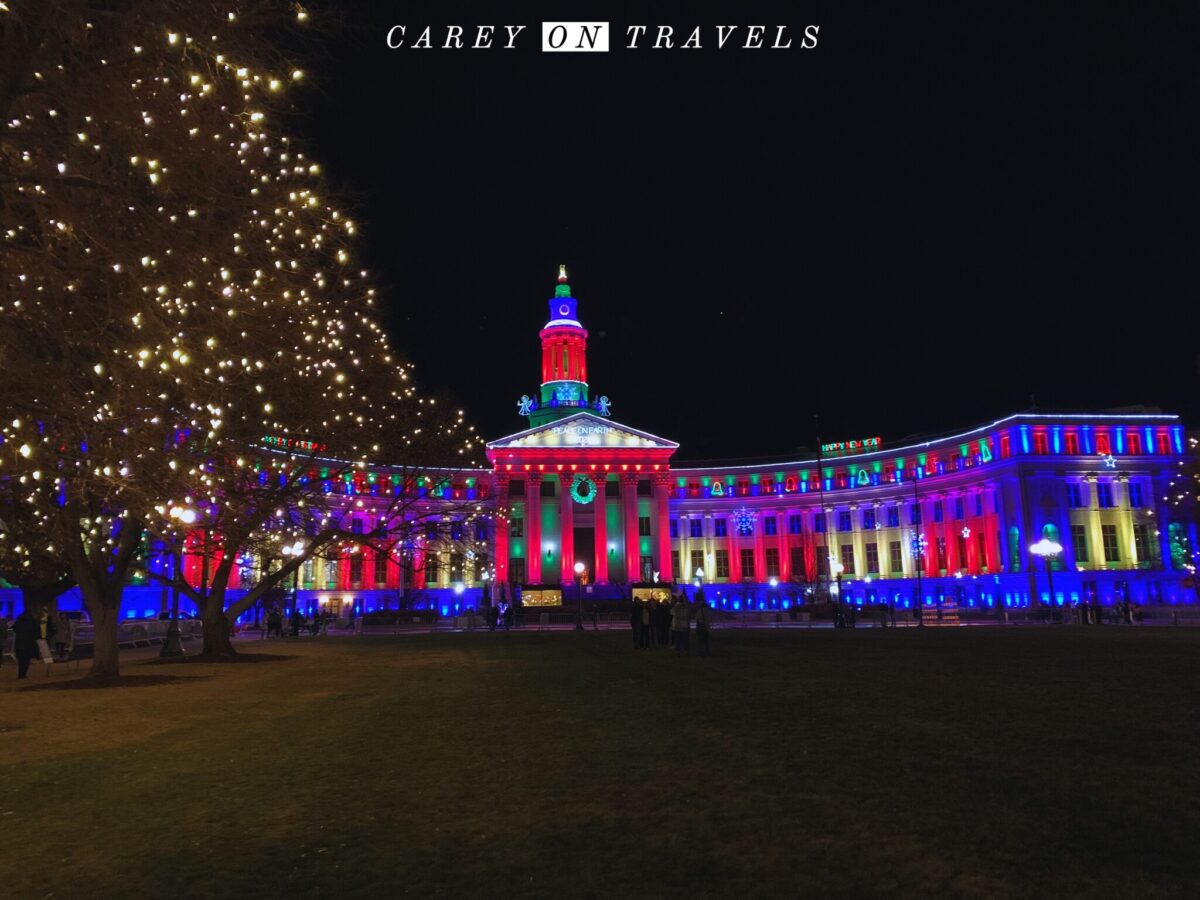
(661, 497)
(930, 532)
(735, 554)
(629, 483)
(566, 518)
(760, 557)
(533, 527)
(500, 528)
(599, 512)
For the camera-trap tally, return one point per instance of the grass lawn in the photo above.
(966, 762)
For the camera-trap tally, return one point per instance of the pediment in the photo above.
(582, 430)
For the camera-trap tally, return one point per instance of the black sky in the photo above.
(939, 212)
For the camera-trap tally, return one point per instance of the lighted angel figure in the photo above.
(524, 405)
(602, 406)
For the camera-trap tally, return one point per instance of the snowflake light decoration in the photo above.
(918, 543)
(743, 521)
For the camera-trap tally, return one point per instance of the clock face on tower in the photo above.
(562, 309)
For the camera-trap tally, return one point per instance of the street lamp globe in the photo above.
(1045, 548)
(579, 567)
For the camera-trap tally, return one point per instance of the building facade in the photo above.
(577, 498)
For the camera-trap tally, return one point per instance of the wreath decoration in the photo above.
(583, 489)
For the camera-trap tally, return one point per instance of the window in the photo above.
(1074, 495)
(548, 486)
(747, 563)
(431, 568)
(674, 526)
(306, 574)
(643, 526)
(516, 570)
(1164, 443)
(481, 531)
(981, 548)
(958, 508)
(457, 572)
(1103, 444)
(643, 488)
(516, 527)
(769, 524)
(647, 568)
(1005, 446)
(696, 527)
(516, 487)
(772, 559)
(722, 563)
(869, 519)
(872, 557)
(1133, 442)
(893, 516)
(675, 565)
(914, 514)
(697, 563)
(720, 527)
(895, 559)
(822, 562)
(797, 557)
(456, 531)
(1071, 440)
(795, 524)
(844, 523)
(381, 562)
(1104, 495)
(937, 511)
(819, 523)
(1040, 445)
(331, 572)
(356, 526)
(847, 559)
(1109, 535)
(1136, 501)
(979, 504)
(962, 551)
(1079, 543)
(612, 488)
(1141, 542)
(941, 553)
(482, 564)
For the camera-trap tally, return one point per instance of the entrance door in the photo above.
(585, 552)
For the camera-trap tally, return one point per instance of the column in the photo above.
(662, 509)
(629, 482)
(600, 506)
(783, 520)
(929, 529)
(533, 527)
(760, 556)
(566, 518)
(500, 528)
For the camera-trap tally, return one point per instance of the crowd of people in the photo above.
(661, 623)
(30, 627)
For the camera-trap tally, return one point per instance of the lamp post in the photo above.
(172, 645)
(579, 569)
(839, 619)
(294, 549)
(1047, 550)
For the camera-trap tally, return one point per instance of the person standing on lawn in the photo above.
(3, 636)
(701, 627)
(635, 623)
(679, 624)
(26, 632)
(646, 620)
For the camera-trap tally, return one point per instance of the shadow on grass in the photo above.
(199, 658)
(129, 681)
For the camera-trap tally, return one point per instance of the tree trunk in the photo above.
(37, 597)
(106, 655)
(216, 627)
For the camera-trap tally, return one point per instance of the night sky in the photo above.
(936, 217)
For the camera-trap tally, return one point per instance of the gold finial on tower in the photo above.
(562, 274)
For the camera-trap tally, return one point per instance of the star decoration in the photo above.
(1110, 462)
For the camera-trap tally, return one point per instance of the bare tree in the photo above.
(176, 285)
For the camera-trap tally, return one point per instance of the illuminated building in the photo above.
(963, 508)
